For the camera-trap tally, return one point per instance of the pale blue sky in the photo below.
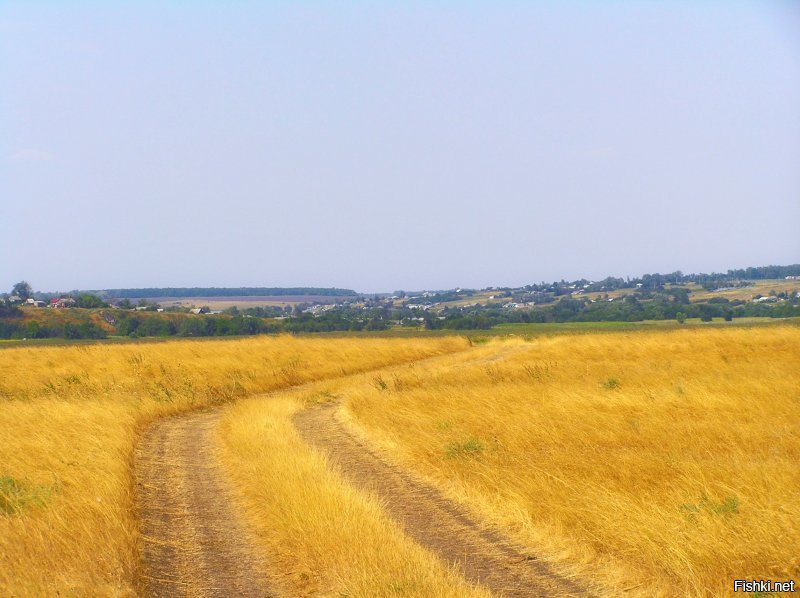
(381, 146)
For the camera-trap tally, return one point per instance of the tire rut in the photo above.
(193, 541)
(482, 555)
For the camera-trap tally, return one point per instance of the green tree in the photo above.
(23, 290)
(32, 329)
(7, 309)
(707, 312)
(376, 324)
(681, 317)
(89, 301)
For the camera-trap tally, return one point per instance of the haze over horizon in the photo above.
(381, 147)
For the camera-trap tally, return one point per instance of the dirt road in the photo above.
(194, 542)
(437, 523)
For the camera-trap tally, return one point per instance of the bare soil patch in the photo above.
(194, 541)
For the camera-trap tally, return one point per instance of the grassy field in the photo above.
(653, 460)
(657, 463)
(70, 418)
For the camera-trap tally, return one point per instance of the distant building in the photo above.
(62, 302)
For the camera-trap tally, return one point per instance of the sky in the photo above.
(385, 145)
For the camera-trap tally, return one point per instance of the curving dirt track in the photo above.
(194, 542)
(481, 554)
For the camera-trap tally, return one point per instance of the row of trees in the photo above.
(33, 329)
(191, 326)
(629, 309)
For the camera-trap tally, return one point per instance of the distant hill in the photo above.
(220, 292)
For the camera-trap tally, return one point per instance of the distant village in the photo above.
(519, 298)
(753, 292)
(56, 302)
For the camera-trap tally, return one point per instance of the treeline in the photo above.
(31, 329)
(138, 324)
(9, 311)
(134, 325)
(716, 279)
(150, 293)
(338, 321)
(764, 272)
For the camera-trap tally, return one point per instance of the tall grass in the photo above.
(69, 419)
(657, 463)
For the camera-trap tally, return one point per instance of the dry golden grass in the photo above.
(70, 417)
(660, 463)
(325, 537)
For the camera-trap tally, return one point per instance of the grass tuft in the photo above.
(466, 448)
(16, 495)
(611, 384)
(727, 506)
(379, 383)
